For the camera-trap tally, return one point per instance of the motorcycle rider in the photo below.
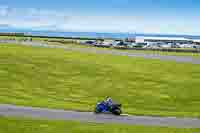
(107, 105)
(108, 101)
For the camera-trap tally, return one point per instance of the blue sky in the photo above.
(146, 16)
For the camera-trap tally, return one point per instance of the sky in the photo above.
(141, 16)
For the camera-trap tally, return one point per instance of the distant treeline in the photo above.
(75, 38)
(54, 37)
(12, 34)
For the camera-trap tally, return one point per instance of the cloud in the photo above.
(43, 19)
(4, 11)
(31, 17)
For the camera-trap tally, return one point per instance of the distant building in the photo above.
(142, 39)
(186, 46)
(168, 39)
(130, 39)
(139, 39)
(196, 41)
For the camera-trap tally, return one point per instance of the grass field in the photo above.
(57, 78)
(33, 39)
(14, 125)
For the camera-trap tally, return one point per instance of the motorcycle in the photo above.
(102, 107)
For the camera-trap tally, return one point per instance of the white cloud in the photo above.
(67, 21)
(30, 18)
(4, 11)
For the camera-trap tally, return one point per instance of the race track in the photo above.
(53, 114)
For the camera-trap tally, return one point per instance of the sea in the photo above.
(90, 34)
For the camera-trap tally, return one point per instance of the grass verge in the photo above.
(16, 125)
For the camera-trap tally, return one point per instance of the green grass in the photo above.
(11, 38)
(14, 125)
(56, 78)
(33, 39)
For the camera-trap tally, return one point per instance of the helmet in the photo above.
(107, 97)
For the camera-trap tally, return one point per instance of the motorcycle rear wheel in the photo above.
(117, 112)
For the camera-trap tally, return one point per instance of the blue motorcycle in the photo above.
(103, 107)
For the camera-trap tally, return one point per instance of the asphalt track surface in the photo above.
(180, 59)
(53, 114)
